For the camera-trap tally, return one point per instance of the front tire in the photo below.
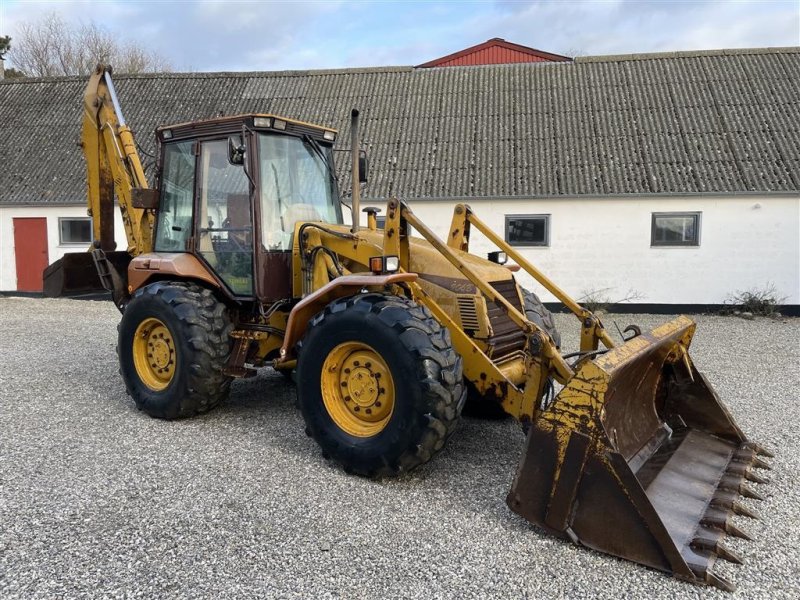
(379, 384)
(173, 342)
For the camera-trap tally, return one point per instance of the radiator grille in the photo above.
(468, 312)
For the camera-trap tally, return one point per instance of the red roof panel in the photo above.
(495, 51)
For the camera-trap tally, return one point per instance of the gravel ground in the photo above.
(97, 499)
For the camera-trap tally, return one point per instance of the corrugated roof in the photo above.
(703, 122)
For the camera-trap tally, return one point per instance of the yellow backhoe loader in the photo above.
(239, 258)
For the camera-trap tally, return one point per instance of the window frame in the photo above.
(61, 241)
(545, 216)
(694, 243)
(162, 185)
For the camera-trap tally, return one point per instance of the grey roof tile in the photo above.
(721, 121)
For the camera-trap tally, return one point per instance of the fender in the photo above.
(341, 286)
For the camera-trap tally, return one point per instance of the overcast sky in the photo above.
(269, 35)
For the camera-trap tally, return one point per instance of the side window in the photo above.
(675, 229)
(225, 225)
(174, 224)
(528, 230)
(74, 230)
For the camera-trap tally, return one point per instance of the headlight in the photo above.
(391, 263)
(384, 264)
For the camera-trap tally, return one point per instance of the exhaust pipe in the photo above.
(354, 147)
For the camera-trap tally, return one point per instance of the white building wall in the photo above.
(596, 245)
(8, 268)
(603, 244)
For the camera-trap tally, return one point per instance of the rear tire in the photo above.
(536, 312)
(173, 342)
(387, 356)
(490, 409)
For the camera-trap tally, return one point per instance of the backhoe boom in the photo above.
(113, 167)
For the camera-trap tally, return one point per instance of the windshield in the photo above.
(296, 185)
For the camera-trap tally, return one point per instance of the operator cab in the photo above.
(232, 189)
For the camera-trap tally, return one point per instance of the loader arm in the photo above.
(113, 167)
(635, 455)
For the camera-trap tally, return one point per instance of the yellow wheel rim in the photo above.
(154, 354)
(357, 389)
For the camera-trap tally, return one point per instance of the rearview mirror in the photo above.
(144, 198)
(235, 150)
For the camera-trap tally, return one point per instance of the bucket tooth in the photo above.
(726, 554)
(759, 449)
(740, 469)
(742, 510)
(718, 519)
(711, 540)
(720, 582)
(735, 483)
(725, 498)
(750, 476)
(734, 531)
(748, 493)
(761, 464)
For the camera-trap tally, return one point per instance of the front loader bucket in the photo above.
(75, 274)
(638, 457)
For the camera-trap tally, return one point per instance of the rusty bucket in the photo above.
(76, 274)
(638, 457)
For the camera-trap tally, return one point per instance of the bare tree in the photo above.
(5, 45)
(51, 47)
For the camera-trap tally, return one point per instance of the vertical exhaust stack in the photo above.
(354, 148)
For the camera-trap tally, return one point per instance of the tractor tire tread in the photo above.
(207, 331)
(441, 379)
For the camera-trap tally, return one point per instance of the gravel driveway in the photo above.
(97, 499)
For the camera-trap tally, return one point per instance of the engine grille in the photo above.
(468, 312)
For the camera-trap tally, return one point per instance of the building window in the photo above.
(381, 222)
(528, 230)
(675, 229)
(74, 230)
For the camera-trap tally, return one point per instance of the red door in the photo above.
(30, 251)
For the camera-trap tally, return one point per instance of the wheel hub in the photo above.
(357, 389)
(154, 354)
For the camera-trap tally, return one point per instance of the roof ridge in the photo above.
(688, 54)
(216, 74)
(407, 69)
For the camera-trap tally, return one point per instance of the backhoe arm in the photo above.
(113, 167)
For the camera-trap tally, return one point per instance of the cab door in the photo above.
(224, 235)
